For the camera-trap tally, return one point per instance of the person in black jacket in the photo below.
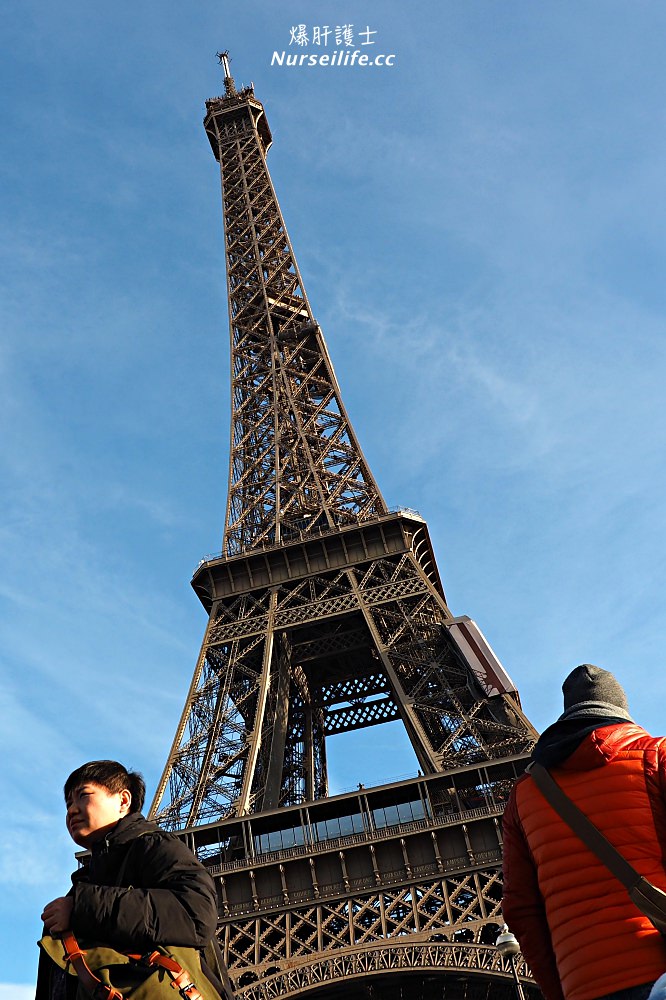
(142, 886)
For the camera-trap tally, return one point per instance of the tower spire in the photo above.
(224, 61)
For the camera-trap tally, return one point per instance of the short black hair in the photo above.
(112, 776)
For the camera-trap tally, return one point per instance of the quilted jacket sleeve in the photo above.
(523, 906)
(170, 901)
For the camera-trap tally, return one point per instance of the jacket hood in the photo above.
(583, 742)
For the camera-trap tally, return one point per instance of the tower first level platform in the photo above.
(397, 880)
(322, 636)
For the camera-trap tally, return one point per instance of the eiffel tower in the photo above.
(326, 615)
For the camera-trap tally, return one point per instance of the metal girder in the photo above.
(401, 960)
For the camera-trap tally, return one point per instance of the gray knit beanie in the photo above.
(590, 690)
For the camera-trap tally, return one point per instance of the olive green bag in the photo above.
(129, 977)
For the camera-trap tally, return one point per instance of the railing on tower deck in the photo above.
(368, 837)
(306, 534)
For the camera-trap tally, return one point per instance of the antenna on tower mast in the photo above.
(229, 85)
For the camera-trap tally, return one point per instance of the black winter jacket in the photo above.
(142, 887)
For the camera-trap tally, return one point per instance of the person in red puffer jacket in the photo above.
(580, 933)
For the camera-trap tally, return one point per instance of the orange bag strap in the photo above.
(90, 982)
(180, 978)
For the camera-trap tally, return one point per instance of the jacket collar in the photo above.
(126, 829)
(583, 742)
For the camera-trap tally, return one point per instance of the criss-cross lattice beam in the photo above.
(464, 909)
(295, 464)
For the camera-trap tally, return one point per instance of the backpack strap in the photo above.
(648, 898)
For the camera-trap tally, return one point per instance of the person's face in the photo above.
(92, 811)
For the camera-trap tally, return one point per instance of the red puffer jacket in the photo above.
(580, 933)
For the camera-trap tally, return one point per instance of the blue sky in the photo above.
(480, 228)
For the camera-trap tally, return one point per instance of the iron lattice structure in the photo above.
(326, 614)
(295, 463)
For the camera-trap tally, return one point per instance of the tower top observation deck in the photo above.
(234, 105)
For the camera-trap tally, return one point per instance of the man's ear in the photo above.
(125, 802)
